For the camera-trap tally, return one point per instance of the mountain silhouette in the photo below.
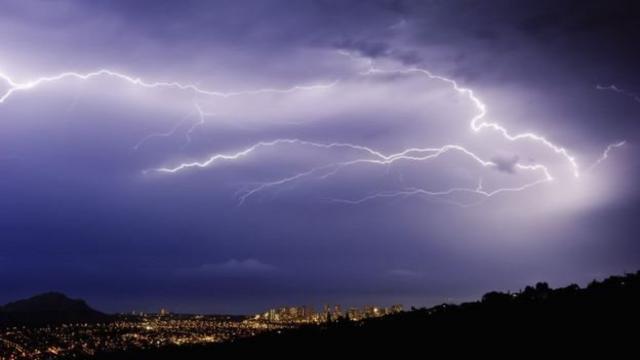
(48, 309)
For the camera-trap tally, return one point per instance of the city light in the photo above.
(148, 331)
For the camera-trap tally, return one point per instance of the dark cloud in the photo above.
(506, 164)
(78, 214)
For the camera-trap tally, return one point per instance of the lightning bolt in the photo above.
(380, 158)
(242, 153)
(477, 123)
(422, 192)
(201, 115)
(376, 157)
(605, 154)
(618, 90)
(188, 133)
(169, 133)
(15, 86)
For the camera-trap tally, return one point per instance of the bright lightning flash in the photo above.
(369, 155)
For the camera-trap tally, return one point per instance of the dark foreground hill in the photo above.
(48, 309)
(604, 315)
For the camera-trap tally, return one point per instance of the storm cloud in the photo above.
(329, 212)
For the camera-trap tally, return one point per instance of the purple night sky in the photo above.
(231, 156)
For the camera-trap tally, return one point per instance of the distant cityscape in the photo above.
(306, 314)
(144, 331)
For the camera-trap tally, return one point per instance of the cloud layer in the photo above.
(328, 213)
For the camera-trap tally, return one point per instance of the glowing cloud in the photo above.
(369, 155)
